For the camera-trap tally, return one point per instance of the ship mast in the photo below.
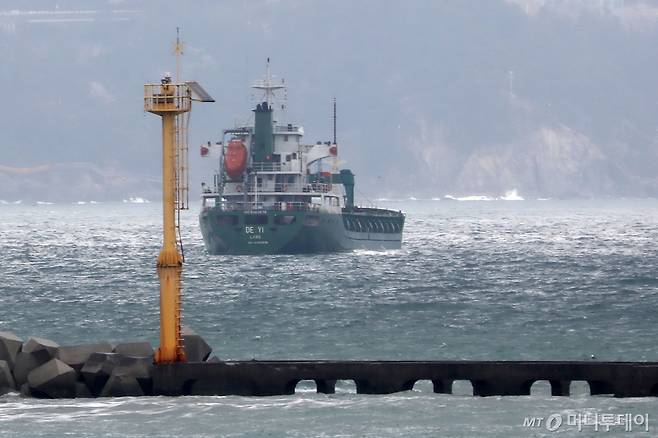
(335, 120)
(333, 150)
(267, 85)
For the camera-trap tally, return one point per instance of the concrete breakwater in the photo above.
(41, 368)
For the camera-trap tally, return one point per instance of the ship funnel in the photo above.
(347, 178)
(263, 133)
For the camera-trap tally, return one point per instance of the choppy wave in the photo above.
(510, 195)
(136, 200)
(499, 280)
(470, 198)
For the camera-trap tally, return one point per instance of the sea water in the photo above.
(504, 280)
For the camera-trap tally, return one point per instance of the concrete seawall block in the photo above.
(100, 366)
(26, 362)
(97, 370)
(136, 349)
(35, 344)
(82, 391)
(54, 379)
(196, 348)
(382, 386)
(121, 384)
(75, 356)
(10, 346)
(7, 383)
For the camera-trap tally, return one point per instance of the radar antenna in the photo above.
(267, 85)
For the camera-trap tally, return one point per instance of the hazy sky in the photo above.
(463, 95)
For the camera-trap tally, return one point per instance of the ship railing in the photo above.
(266, 167)
(280, 188)
(295, 188)
(288, 128)
(260, 206)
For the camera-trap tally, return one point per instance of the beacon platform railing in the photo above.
(167, 98)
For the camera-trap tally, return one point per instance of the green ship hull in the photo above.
(295, 232)
(273, 193)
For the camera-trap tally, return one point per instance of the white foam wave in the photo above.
(470, 198)
(136, 200)
(44, 203)
(512, 195)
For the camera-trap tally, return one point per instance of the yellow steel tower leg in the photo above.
(169, 260)
(169, 100)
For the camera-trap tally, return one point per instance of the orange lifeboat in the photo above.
(235, 159)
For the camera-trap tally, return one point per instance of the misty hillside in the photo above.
(73, 182)
(552, 98)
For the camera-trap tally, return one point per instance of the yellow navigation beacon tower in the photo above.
(169, 100)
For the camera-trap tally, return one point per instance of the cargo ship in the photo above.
(275, 194)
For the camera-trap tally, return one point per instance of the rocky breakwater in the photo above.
(42, 368)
